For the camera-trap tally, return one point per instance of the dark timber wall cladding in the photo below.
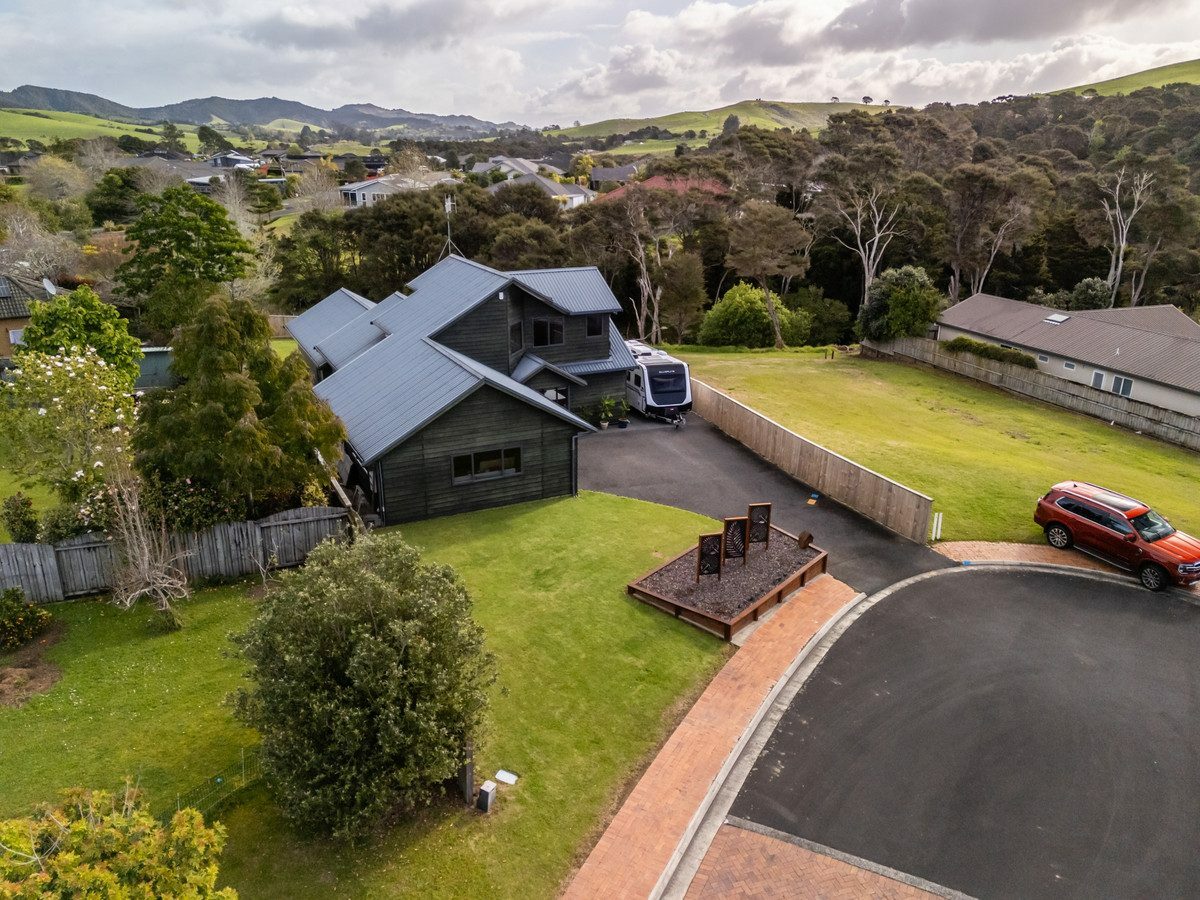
(417, 477)
(610, 384)
(576, 345)
(481, 334)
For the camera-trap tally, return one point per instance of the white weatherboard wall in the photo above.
(1143, 390)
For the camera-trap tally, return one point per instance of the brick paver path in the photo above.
(743, 863)
(639, 842)
(993, 551)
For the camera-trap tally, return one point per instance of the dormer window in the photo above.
(595, 326)
(547, 332)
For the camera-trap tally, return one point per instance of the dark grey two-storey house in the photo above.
(465, 391)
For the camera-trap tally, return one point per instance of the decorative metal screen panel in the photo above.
(759, 515)
(708, 555)
(736, 531)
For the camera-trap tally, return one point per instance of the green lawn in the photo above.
(763, 113)
(983, 455)
(283, 346)
(1185, 72)
(590, 683)
(129, 703)
(43, 498)
(46, 125)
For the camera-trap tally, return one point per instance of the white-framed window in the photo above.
(1098, 379)
(16, 336)
(1043, 358)
(1068, 365)
(1122, 385)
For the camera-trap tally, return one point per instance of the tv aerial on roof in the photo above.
(450, 203)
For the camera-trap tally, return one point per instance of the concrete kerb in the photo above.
(739, 749)
(1017, 565)
(685, 861)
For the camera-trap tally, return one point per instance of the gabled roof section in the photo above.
(549, 186)
(530, 364)
(320, 321)
(1164, 319)
(1135, 342)
(15, 298)
(619, 358)
(575, 291)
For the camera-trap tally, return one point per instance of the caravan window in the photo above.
(668, 384)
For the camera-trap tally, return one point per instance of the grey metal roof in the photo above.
(322, 320)
(576, 291)
(391, 377)
(619, 358)
(614, 173)
(1130, 341)
(530, 364)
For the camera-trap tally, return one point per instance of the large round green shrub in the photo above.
(369, 678)
(20, 621)
(900, 303)
(740, 319)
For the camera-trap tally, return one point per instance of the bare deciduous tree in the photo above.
(231, 193)
(26, 247)
(317, 188)
(1122, 198)
(96, 157)
(51, 178)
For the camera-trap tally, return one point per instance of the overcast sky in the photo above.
(540, 62)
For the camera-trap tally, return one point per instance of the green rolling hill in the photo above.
(46, 125)
(1183, 72)
(764, 113)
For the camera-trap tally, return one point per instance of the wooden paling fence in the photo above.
(891, 504)
(1176, 427)
(85, 565)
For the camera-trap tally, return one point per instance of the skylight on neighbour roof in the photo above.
(1055, 319)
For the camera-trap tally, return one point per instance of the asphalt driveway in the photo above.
(699, 468)
(1006, 734)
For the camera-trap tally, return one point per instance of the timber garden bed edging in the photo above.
(725, 627)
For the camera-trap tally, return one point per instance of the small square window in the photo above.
(595, 326)
(1042, 358)
(1068, 365)
(556, 395)
(512, 461)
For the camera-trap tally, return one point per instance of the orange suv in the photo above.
(1121, 531)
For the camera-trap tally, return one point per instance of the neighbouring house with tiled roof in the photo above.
(16, 294)
(617, 175)
(1146, 353)
(514, 166)
(466, 391)
(566, 194)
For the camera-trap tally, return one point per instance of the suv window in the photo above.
(1070, 504)
(1119, 524)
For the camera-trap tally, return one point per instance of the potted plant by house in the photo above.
(622, 414)
(608, 408)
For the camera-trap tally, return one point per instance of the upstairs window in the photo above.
(516, 338)
(595, 326)
(485, 465)
(547, 332)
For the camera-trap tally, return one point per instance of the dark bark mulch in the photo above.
(738, 587)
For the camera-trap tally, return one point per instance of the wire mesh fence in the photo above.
(218, 788)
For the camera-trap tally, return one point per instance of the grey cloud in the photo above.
(427, 24)
(887, 24)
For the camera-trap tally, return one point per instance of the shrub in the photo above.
(20, 518)
(94, 845)
(60, 523)
(990, 351)
(900, 303)
(740, 319)
(369, 678)
(20, 622)
(831, 320)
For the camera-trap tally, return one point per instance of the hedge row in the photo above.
(990, 351)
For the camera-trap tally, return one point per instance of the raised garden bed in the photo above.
(724, 606)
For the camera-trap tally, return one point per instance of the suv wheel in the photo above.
(1153, 577)
(1059, 536)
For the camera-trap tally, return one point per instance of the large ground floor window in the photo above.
(485, 464)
